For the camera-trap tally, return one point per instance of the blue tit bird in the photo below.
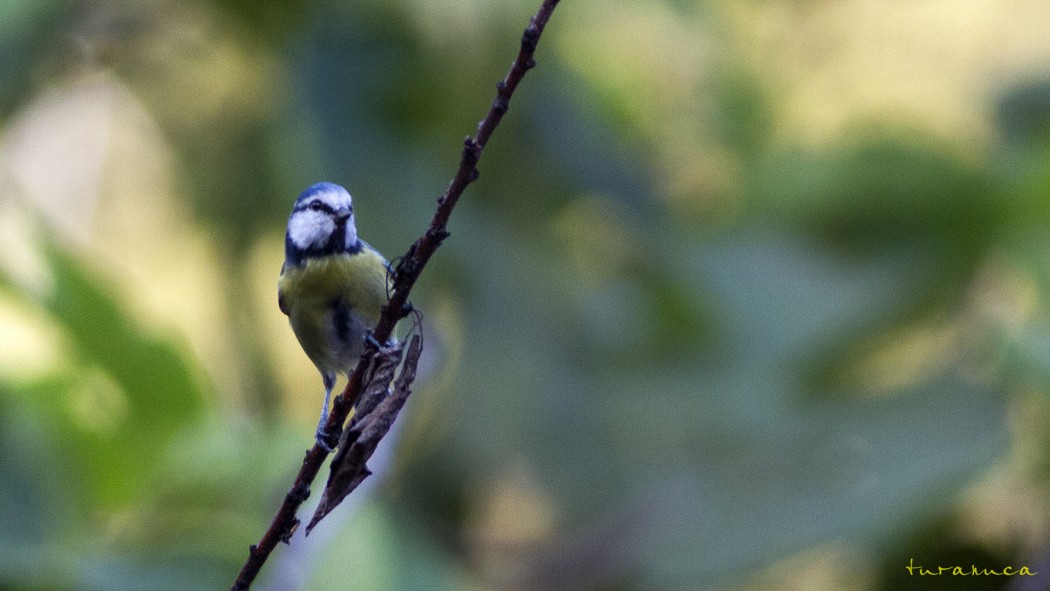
(332, 285)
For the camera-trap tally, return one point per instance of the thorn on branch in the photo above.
(407, 309)
(299, 493)
(286, 537)
(531, 37)
(438, 234)
(471, 151)
(501, 103)
(407, 265)
(339, 404)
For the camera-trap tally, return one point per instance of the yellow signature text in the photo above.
(962, 571)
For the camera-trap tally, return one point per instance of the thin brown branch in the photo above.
(285, 522)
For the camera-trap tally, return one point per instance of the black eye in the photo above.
(316, 206)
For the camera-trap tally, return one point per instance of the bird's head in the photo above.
(322, 223)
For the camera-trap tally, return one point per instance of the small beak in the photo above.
(343, 214)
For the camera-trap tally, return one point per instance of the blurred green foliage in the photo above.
(672, 345)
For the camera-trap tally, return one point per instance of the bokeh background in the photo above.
(751, 294)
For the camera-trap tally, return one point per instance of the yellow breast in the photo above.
(330, 301)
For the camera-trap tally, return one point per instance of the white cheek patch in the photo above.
(309, 228)
(350, 240)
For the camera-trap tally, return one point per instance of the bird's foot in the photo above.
(326, 439)
(371, 339)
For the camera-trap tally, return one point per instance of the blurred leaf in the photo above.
(745, 119)
(273, 18)
(378, 550)
(1024, 113)
(881, 190)
(891, 199)
(163, 391)
(128, 395)
(34, 508)
(134, 571)
(862, 470)
(936, 544)
(721, 464)
(27, 37)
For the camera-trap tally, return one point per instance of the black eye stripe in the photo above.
(315, 206)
